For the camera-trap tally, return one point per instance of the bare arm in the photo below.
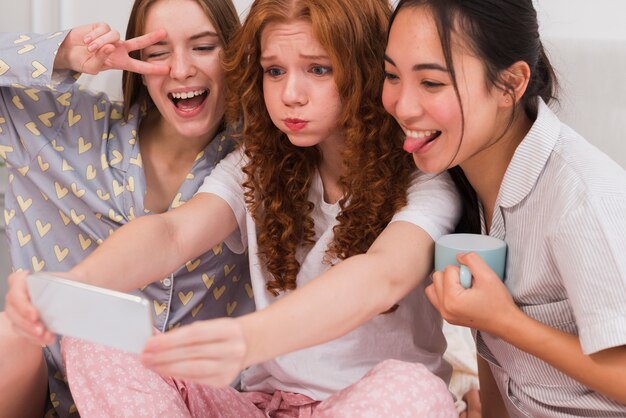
(151, 247)
(138, 253)
(336, 302)
(345, 292)
(604, 371)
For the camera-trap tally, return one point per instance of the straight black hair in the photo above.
(500, 33)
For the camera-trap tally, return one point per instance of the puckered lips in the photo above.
(419, 141)
(188, 103)
(295, 124)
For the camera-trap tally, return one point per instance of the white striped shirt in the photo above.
(562, 211)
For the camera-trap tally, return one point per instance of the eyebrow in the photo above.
(204, 34)
(197, 36)
(309, 57)
(420, 67)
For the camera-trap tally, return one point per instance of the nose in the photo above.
(403, 102)
(182, 66)
(294, 90)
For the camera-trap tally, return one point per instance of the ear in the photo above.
(515, 80)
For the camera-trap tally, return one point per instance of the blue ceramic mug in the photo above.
(492, 250)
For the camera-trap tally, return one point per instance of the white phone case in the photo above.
(92, 313)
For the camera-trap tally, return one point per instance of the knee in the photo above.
(408, 375)
(403, 370)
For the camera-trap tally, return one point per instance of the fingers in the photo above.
(444, 282)
(141, 42)
(208, 352)
(100, 35)
(446, 292)
(434, 290)
(431, 294)
(146, 68)
(146, 40)
(201, 332)
(22, 314)
(97, 29)
(94, 63)
(477, 266)
(474, 407)
(17, 298)
(218, 351)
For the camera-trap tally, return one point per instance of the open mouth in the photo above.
(433, 137)
(189, 100)
(416, 140)
(426, 136)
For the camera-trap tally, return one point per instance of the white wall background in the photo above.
(582, 19)
(581, 34)
(573, 19)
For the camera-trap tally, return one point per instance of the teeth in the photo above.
(188, 94)
(419, 134)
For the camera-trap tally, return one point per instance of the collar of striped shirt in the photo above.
(530, 158)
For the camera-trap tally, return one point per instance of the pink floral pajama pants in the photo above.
(110, 383)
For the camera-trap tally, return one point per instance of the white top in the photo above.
(562, 211)
(411, 333)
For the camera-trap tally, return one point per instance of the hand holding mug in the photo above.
(487, 306)
(492, 250)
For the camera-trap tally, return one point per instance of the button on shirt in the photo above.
(76, 175)
(562, 211)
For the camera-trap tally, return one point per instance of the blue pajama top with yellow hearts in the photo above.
(75, 175)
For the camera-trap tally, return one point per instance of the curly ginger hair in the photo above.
(279, 174)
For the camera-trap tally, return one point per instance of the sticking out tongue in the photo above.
(412, 144)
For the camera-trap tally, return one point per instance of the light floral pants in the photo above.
(107, 382)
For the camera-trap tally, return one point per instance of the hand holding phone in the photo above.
(92, 313)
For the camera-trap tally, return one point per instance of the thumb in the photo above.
(479, 268)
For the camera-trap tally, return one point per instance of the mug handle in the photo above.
(465, 276)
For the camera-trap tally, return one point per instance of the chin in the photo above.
(300, 141)
(430, 167)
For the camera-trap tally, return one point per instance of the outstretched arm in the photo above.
(140, 252)
(604, 371)
(151, 247)
(96, 47)
(336, 302)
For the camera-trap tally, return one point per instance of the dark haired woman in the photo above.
(469, 83)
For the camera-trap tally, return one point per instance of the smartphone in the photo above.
(92, 313)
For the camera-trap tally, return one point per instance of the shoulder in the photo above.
(433, 204)
(577, 166)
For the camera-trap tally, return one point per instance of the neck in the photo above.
(331, 168)
(167, 159)
(485, 170)
(159, 138)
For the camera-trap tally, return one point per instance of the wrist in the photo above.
(62, 59)
(511, 325)
(76, 274)
(249, 325)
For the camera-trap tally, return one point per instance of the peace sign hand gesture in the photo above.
(96, 47)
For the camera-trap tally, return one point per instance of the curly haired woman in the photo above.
(339, 227)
